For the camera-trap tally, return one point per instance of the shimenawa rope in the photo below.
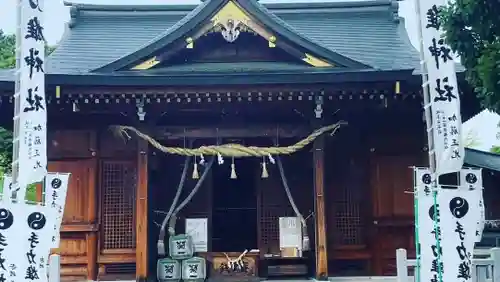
(229, 150)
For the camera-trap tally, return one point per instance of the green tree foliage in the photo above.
(7, 51)
(5, 149)
(8, 60)
(495, 149)
(472, 29)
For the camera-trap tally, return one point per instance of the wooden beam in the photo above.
(142, 212)
(241, 131)
(319, 210)
(382, 87)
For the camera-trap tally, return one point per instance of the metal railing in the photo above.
(483, 269)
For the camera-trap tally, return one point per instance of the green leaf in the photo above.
(7, 60)
(472, 29)
(495, 149)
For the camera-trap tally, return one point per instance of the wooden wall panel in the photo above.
(73, 246)
(115, 147)
(392, 183)
(73, 152)
(393, 221)
(77, 197)
(81, 184)
(69, 144)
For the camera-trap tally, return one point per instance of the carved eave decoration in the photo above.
(230, 21)
(149, 63)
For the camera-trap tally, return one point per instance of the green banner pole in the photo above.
(417, 239)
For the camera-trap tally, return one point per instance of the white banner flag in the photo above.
(426, 232)
(443, 90)
(25, 237)
(10, 253)
(56, 188)
(459, 216)
(31, 117)
(472, 179)
(6, 187)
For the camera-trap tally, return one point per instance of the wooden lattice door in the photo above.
(272, 204)
(118, 186)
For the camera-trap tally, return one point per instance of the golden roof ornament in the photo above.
(230, 30)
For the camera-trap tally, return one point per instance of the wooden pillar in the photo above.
(91, 237)
(319, 210)
(142, 212)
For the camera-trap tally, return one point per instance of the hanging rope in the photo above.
(173, 218)
(161, 237)
(284, 181)
(229, 150)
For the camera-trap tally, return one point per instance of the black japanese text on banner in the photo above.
(459, 216)
(472, 179)
(30, 120)
(443, 91)
(56, 188)
(426, 232)
(25, 236)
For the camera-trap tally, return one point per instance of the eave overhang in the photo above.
(482, 159)
(132, 78)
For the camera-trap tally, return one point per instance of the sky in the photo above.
(59, 14)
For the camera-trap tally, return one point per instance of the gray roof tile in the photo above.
(364, 31)
(371, 38)
(99, 39)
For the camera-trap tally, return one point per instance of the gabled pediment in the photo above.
(226, 24)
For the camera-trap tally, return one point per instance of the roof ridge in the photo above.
(189, 7)
(339, 4)
(129, 8)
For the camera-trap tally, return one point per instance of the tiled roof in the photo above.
(371, 38)
(365, 31)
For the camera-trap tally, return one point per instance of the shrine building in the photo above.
(248, 73)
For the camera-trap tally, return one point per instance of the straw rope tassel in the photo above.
(233, 170)
(265, 174)
(196, 175)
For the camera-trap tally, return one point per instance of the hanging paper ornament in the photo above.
(265, 174)
(202, 160)
(196, 175)
(233, 170)
(220, 160)
(271, 159)
(306, 243)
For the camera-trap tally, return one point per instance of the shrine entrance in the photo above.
(234, 206)
(237, 204)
